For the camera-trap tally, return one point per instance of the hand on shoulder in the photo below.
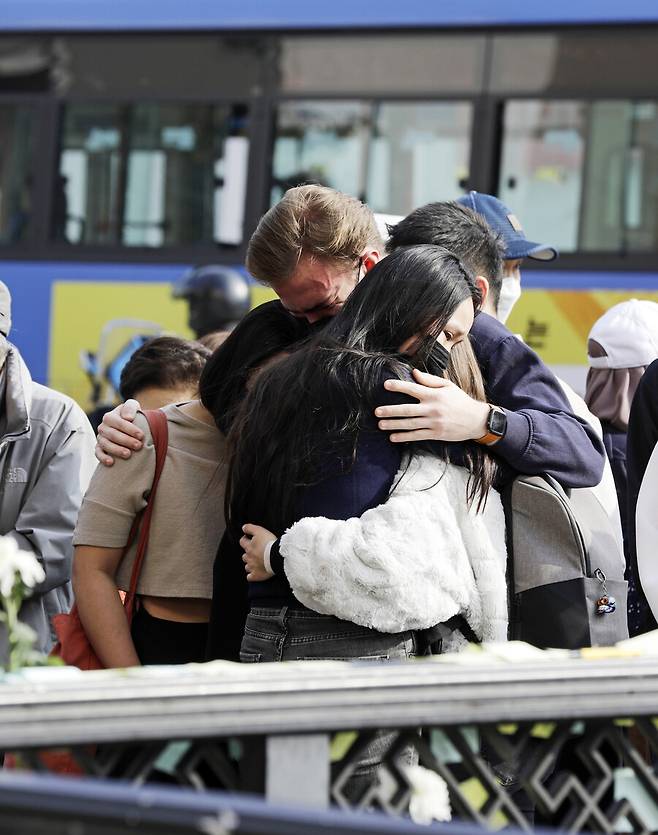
(118, 436)
(443, 412)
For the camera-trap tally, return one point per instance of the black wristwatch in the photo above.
(496, 426)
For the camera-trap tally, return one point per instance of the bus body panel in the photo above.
(139, 15)
(59, 309)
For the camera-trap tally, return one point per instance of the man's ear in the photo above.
(483, 285)
(369, 258)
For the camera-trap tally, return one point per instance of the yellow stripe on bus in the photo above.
(556, 323)
(80, 309)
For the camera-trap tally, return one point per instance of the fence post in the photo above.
(298, 769)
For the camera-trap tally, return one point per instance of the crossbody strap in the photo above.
(157, 421)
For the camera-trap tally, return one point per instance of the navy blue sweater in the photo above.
(340, 495)
(543, 435)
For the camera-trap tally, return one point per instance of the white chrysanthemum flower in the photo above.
(429, 795)
(13, 561)
(23, 632)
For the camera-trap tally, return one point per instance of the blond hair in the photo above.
(464, 370)
(309, 220)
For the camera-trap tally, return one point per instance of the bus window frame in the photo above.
(484, 167)
(607, 261)
(44, 108)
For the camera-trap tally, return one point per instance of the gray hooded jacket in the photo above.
(46, 461)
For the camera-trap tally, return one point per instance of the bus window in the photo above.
(16, 136)
(542, 168)
(418, 153)
(320, 142)
(152, 174)
(581, 173)
(86, 190)
(393, 155)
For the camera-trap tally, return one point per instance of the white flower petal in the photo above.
(429, 795)
(14, 562)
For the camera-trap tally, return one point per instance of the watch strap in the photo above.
(490, 437)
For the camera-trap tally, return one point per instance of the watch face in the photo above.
(497, 423)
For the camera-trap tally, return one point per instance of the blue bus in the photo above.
(138, 138)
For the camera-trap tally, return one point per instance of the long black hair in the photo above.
(307, 411)
(263, 333)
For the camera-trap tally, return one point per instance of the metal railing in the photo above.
(568, 742)
(43, 805)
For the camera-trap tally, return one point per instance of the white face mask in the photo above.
(510, 292)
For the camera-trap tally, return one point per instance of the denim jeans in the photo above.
(302, 635)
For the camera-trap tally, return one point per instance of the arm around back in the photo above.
(543, 435)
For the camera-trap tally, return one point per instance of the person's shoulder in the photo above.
(488, 336)
(142, 423)
(382, 396)
(487, 326)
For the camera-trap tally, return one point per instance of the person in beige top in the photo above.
(175, 584)
(265, 334)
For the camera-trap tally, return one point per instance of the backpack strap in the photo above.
(430, 641)
(157, 421)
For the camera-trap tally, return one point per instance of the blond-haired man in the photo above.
(312, 248)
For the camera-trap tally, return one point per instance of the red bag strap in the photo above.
(157, 421)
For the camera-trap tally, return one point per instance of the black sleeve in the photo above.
(230, 605)
(642, 438)
(276, 557)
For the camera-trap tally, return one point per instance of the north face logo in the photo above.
(16, 475)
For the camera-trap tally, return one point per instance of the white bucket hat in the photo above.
(628, 333)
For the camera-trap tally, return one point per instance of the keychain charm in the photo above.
(606, 604)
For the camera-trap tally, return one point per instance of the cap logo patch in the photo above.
(514, 223)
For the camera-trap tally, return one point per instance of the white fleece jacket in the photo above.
(410, 563)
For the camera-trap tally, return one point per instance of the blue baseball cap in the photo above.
(505, 222)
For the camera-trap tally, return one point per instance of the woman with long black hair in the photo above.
(305, 443)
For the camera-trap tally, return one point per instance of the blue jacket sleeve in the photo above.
(543, 435)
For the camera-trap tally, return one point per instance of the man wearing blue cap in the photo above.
(529, 423)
